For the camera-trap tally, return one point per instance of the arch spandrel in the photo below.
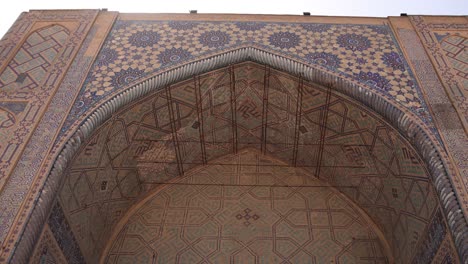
(368, 54)
(159, 137)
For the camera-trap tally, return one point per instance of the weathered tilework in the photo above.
(448, 55)
(445, 114)
(64, 236)
(448, 259)
(138, 49)
(221, 220)
(14, 36)
(9, 112)
(23, 79)
(30, 64)
(47, 250)
(455, 50)
(446, 253)
(432, 240)
(47, 257)
(148, 142)
(22, 178)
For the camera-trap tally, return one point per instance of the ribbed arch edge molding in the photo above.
(407, 123)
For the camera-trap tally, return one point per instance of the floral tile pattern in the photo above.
(138, 49)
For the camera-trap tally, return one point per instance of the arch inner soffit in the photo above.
(302, 124)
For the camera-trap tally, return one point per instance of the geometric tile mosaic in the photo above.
(30, 64)
(135, 50)
(63, 235)
(455, 50)
(432, 241)
(193, 122)
(446, 253)
(246, 208)
(437, 49)
(230, 131)
(35, 55)
(47, 249)
(21, 80)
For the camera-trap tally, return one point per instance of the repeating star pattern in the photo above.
(138, 49)
(187, 125)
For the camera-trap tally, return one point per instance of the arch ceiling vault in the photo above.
(328, 109)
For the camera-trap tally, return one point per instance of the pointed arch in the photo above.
(409, 125)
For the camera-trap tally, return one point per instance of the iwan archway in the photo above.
(180, 124)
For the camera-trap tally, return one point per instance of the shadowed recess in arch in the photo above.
(247, 105)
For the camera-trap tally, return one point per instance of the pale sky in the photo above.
(373, 8)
